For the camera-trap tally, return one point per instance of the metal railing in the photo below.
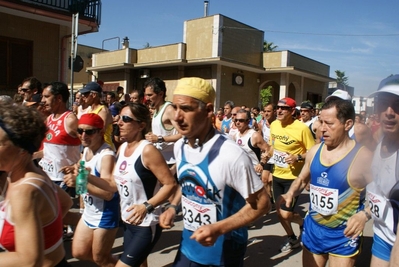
(90, 9)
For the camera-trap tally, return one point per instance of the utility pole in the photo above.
(74, 46)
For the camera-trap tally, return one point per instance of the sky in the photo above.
(359, 37)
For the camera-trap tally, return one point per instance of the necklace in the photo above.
(208, 136)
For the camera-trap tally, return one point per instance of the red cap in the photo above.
(92, 120)
(288, 101)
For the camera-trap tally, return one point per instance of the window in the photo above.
(15, 61)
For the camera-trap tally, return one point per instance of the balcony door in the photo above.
(16, 58)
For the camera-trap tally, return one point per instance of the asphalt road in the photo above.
(265, 237)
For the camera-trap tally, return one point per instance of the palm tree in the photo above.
(341, 78)
(269, 47)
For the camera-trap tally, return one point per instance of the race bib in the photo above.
(381, 208)
(279, 159)
(88, 199)
(124, 187)
(195, 215)
(48, 166)
(324, 200)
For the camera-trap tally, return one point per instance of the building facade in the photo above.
(227, 53)
(35, 38)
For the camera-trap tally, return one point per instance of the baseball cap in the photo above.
(307, 104)
(196, 88)
(91, 86)
(92, 119)
(288, 101)
(344, 95)
(388, 85)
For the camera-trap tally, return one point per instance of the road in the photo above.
(265, 237)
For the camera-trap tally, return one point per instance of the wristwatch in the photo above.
(368, 215)
(160, 139)
(148, 207)
(299, 157)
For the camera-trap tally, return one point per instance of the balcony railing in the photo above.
(89, 9)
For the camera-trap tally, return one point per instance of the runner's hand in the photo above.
(355, 225)
(284, 199)
(206, 235)
(167, 218)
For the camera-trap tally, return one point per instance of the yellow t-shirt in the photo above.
(108, 129)
(295, 139)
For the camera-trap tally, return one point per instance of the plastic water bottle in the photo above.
(81, 179)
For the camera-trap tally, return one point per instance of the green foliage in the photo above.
(265, 95)
(341, 78)
(319, 105)
(269, 47)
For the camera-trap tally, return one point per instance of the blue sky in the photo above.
(360, 37)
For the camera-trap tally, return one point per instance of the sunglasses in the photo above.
(86, 94)
(240, 120)
(24, 90)
(88, 131)
(127, 119)
(234, 114)
(283, 107)
(382, 106)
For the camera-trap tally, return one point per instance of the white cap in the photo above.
(340, 94)
(388, 85)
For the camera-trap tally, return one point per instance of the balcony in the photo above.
(61, 10)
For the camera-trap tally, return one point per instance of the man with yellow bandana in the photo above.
(290, 140)
(338, 170)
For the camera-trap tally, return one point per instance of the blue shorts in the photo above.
(233, 256)
(381, 249)
(319, 239)
(138, 242)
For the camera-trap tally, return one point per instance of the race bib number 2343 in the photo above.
(196, 215)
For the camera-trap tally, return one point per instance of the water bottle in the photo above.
(81, 179)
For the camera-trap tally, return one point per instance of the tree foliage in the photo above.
(265, 95)
(269, 47)
(341, 78)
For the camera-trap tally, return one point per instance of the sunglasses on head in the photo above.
(240, 120)
(88, 131)
(284, 107)
(126, 119)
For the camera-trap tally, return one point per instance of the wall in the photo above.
(161, 54)
(199, 35)
(241, 43)
(46, 43)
